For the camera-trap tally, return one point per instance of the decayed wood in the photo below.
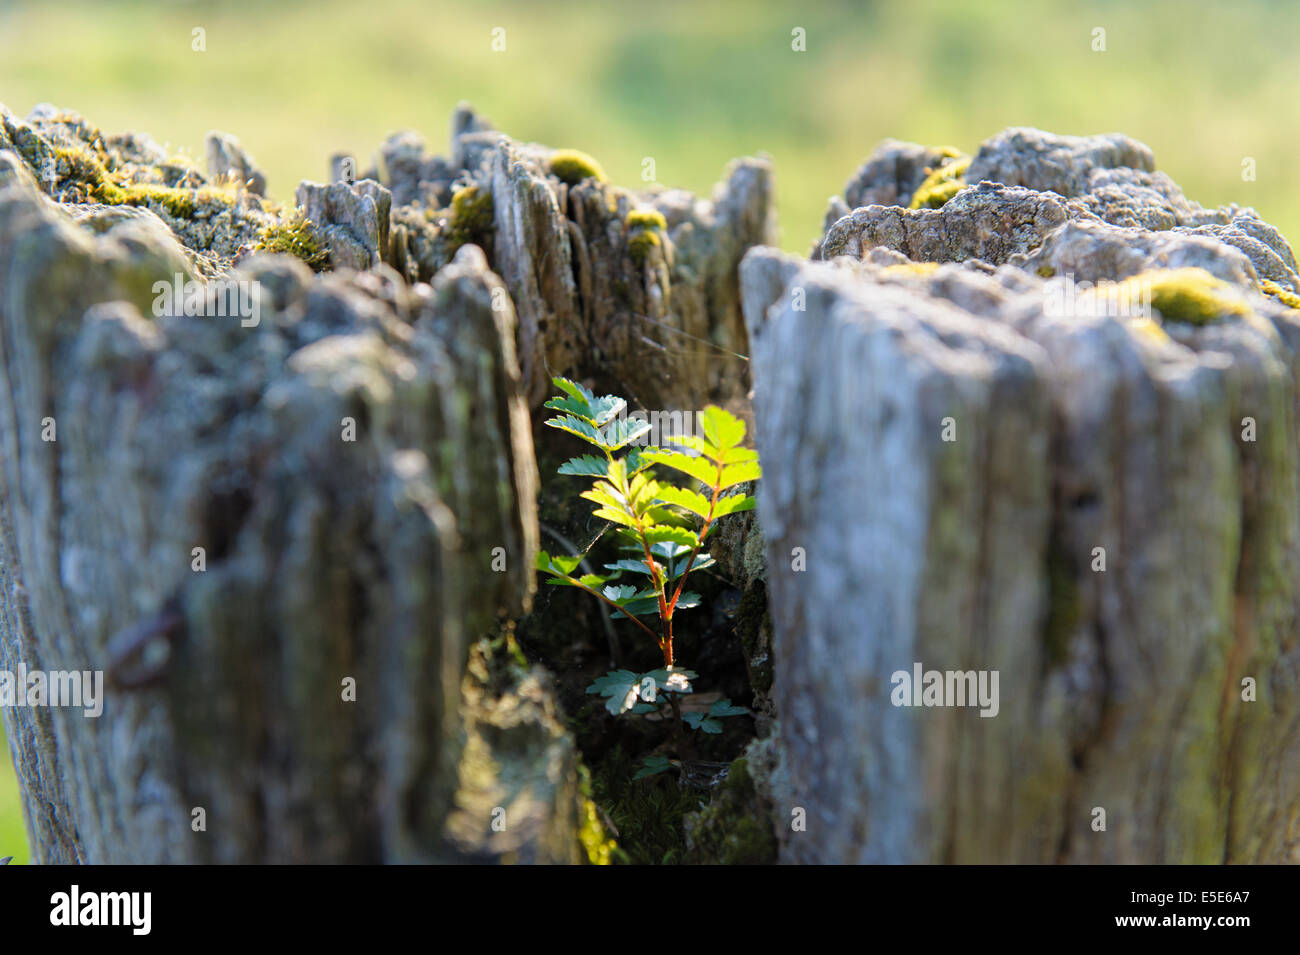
(378, 558)
(945, 456)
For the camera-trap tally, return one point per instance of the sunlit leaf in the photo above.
(723, 429)
(734, 474)
(693, 501)
(733, 504)
(698, 468)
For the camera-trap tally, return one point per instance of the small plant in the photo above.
(663, 528)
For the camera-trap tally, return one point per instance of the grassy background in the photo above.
(691, 84)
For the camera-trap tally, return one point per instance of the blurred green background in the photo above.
(692, 84)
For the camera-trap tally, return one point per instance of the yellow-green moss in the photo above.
(295, 237)
(572, 166)
(1285, 296)
(640, 245)
(910, 269)
(86, 170)
(1189, 295)
(941, 184)
(472, 218)
(1045, 271)
(646, 219)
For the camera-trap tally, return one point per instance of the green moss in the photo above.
(1285, 296)
(472, 219)
(647, 219)
(736, 828)
(642, 244)
(1192, 296)
(87, 170)
(941, 184)
(648, 813)
(1045, 271)
(600, 848)
(571, 166)
(295, 236)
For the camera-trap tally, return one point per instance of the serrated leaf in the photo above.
(597, 411)
(724, 707)
(558, 565)
(624, 431)
(621, 687)
(616, 517)
(722, 428)
(636, 460)
(698, 721)
(604, 493)
(733, 504)
(642, 606)
(706, 449)
(605, 685)
(669, 549)
(734, 474)
(687, 600)
(698, 468)
(578, 427)
(661, 533)
(644, 708)
(652, 766)
(702, 560)
(693, 501)
(587, 465)
(620, 704)
(629, 565)
(620, 593)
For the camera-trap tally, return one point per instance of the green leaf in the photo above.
(583, 403)
(621, 687)
(652, 766)
(636, 460)
(661, 533)
(616, 517)
(587, 465)
(669, 549)
(733, 504)
(693, 501)
(643, 606)
(577, 426)
(698, 468)
(687, 600)
(620, 593)
(629, 565)
(722, 428)
(624, 431)
(717, 455)
(560, 566)
(698, 721)
(724, 707)
(602, 492)
(702, 560)
(734, 474)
